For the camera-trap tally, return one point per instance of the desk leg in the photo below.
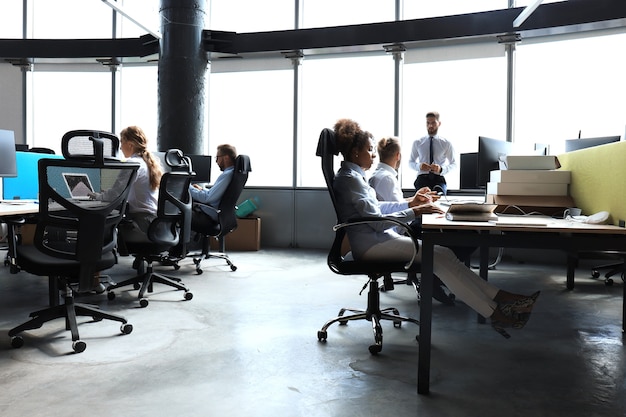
(572, 260)
(426, 303)
(483, 272)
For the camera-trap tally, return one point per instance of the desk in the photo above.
(558, 234)
(15, 209)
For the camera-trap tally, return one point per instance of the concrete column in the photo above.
(183, 63)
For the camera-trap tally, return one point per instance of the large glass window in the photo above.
(320, 13)
(359, 88)
(423, 9)
(254, 112)
(570, 87)
(69, 19)
(11, 19)
(138, 100)
(470, 95)
(145, 12)
(251, 15)
(63, 101)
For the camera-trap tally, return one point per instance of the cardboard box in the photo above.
(524, 204)
(523, 188)
(532, 162)
(541, 176)
(247, 236)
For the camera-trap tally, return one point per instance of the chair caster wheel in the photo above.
(136, 286)
(595, 274)
(188, 296)
(144, 302)
(79, 346)
(321, 336)
(375, 349)
(126, 328)
(111, 296)
(198, 271)
(608, 282)
(397, 324)
(17, 342)
(233, 268)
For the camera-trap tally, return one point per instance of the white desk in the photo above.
(18, 208)
(558, 234)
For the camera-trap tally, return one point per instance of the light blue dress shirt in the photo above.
(385, 181)
(355, 198)
(212, 196)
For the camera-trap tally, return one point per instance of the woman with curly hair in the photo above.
(379, 241)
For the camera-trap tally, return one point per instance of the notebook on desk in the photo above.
(78, 185)
(471, 211)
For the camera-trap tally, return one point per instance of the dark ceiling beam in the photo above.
(497, 22)
(78, 48)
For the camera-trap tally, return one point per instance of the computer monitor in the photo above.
(576, 144)
(490, 153)
(468, 168)
(26, 184)
(201, 165)
(8, 165)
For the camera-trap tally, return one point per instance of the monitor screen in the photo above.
(469, 171)
(201, 165)
(490, 153)
(576, 144)
(8, 166)
(26, 184)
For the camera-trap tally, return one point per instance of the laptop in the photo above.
(480, 212)
(78, 185)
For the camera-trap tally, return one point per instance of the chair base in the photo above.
(218, 255)
(69, 311)
(144, 283)
(372, 313)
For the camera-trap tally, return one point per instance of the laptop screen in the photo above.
(78, 185)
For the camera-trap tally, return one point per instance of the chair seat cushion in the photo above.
(32, 260)
(351, 267)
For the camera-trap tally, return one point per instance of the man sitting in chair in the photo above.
(225, 159)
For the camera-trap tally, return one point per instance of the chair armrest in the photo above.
(374, 219)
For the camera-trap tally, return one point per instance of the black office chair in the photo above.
(75, 144)
(222, 220)
(614, 268)
(167, 237)
(344, 265)
(74, 239)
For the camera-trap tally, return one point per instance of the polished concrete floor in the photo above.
(246, 345)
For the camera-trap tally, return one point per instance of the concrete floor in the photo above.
(246, 345)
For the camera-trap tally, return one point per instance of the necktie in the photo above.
(431, 150)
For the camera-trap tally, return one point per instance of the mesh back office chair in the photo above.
(76, 144)
(74, 239)
(169, 232)
(343, 265)
(222, 220)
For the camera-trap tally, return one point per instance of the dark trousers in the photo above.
(433, 181)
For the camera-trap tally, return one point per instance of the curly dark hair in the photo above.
(349, 135)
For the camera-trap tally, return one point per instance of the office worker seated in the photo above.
(144, 192)
(385, 182)
(225, 160)
(377, 241)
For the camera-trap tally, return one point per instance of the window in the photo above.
(321, 13)
(69, 19)
(11, 19)
(578, 86)
(359, 88)
(254, 112)
(251, 16)
(138, 98)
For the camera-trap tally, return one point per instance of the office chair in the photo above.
(614, 268)
(74, 240)
(167, 236)
(222, 220)
(345, 265)
(76, 144)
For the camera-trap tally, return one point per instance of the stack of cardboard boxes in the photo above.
(530, 184)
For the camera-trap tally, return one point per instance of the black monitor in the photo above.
(490, 153)
(21, 147)
(201, 165)
(468, 168)
(576, 144)
(8, 166)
